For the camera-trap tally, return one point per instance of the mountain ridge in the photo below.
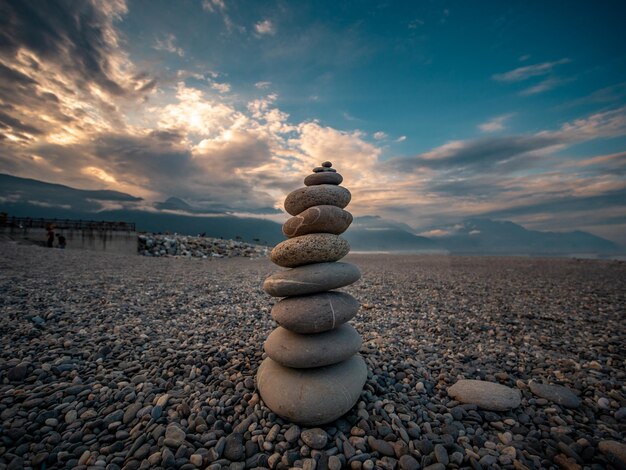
(22, 197)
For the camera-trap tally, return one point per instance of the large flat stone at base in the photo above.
(306, 351)
(312, 397)
(311, 279)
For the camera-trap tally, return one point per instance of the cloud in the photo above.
(497, 154)
(544, 85)
(495, 124)
(212, 5)
(265, 27)
(220, 7)
(167, 44)
(545, 69)
(528, 71)
(262, 85)
(402, 138)
(221, 87)
(62, 71)
(78, 37)
(415, 23)
(609, 94)
(380, 135)
(483, 154)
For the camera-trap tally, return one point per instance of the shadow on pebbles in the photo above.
(134, 362)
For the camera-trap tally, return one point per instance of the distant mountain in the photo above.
(23, 197)
(224, 226)
(177, 204)
(504, 237)
(373, 233)
(38, 193)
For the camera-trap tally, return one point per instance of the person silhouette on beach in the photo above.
(62, 241)
(50, 237)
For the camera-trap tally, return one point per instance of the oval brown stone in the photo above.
(312, 397)
(311, 279)
(324, 177)
(309, 249)
(319, 195)
(317, 350)
(315, 313)
(318, 219)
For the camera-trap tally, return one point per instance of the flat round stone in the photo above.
(311, 279)
(323, 177)
(309, 249)
(327, 164)
(487, 395)
(318, 195)
(317, 350)
(318, 219)
(316, 312)
(312, 397)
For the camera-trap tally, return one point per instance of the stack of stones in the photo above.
(313, 374)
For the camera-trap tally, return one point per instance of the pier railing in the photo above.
(66, 224)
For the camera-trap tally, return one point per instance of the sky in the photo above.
(433, 111)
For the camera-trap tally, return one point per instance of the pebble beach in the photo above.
(112, 361)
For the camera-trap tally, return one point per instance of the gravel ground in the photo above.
(135, 362)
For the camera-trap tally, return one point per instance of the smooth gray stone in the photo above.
(487, 395)
(318, 219)
(556, 393)
(309, 249)
(316, 350)
(312, 397)
(324, 177)
(319, 195)
(311, 279)
(315, 313)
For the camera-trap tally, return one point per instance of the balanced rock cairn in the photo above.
(313, 374)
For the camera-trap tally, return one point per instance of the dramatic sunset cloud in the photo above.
(432, 114)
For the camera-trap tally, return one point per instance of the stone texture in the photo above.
(319, 195)
(174, 436)
(487, 395)
(315, 313)
(315, 438)
(311, 279)
(318, 219)
(615, 449)
(18, 373)
(316, 350)
(309, 249)
(323, 177)
(312, 396)
(556, 393)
